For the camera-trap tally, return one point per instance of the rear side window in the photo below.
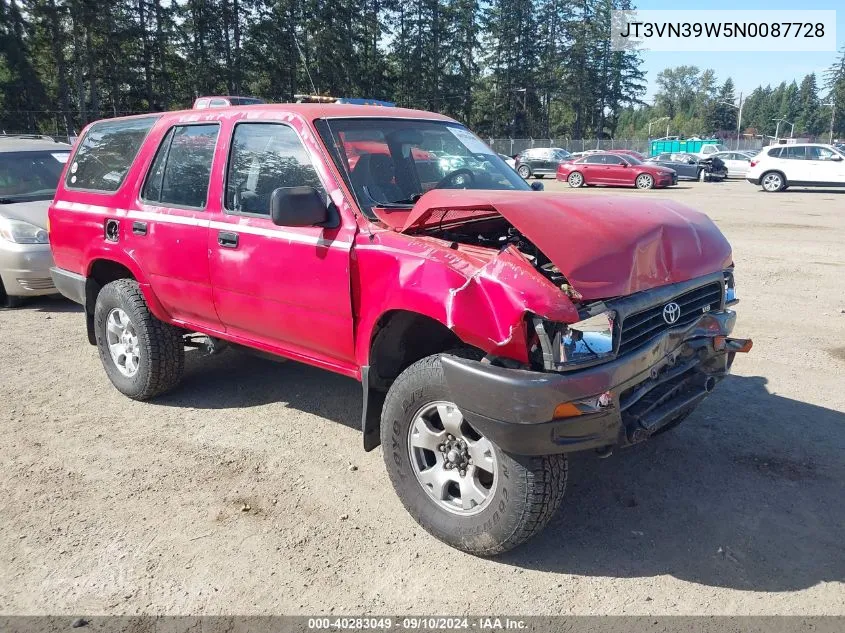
(595, 160)
(181, 170)
(794, 153)
(105, 155)
(265, 157)
(775, 153)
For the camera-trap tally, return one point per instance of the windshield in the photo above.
(393, 162)
(26, 176)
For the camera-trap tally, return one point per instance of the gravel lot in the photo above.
(247, 491)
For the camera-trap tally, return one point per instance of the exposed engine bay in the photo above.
(499, 234)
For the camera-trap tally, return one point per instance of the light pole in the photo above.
(782, 120)
(652, 122)
(738, 116)
(832, 105)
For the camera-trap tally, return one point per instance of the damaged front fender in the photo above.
(480, 294)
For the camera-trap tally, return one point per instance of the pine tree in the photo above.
(810, 117)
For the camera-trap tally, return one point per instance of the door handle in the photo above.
(227, 239)
(139, 228)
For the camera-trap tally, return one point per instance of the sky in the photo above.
(748, 70)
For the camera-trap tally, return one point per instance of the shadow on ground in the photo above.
(236, 379)
(746, 494)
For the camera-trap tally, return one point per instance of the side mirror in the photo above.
(837, 157)
(537, 186)
(298, 206)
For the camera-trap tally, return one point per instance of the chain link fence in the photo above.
(513, 146)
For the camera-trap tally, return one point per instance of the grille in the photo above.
(36, 283)
(640, 327)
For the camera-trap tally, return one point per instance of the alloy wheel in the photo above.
(454, 464)
(772, 182)
(122, 340)
(644, 181)
(575, 180)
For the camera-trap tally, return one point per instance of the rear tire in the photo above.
(772, 181)
(142, 356)
(498, 502)
(575, 179)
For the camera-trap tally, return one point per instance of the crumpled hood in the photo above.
(606, 246)
(32, 212)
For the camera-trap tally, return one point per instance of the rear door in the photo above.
(592, 168)
(168, 228)
(798, 168)
(285, 289)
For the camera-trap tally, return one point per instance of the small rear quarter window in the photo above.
(104, 156)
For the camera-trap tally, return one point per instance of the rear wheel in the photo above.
(142, 356)
(575, 179)
(772, 182)
(456, 483)
(524, 171)
(644, 181)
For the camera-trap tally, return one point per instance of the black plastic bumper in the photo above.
(645, 390)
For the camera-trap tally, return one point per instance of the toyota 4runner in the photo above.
(494, 328)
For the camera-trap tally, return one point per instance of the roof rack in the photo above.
(342, 100)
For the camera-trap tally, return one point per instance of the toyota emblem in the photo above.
(671, 312)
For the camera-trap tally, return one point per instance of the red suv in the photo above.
(495, 329)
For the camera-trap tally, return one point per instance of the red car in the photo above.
(494, 328)
(603, 168)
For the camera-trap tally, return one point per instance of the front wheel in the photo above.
(524, 171)
(457, 484)
(644, 181)
(142, 356)
(575, 179)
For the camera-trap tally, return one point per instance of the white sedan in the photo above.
(737, 163)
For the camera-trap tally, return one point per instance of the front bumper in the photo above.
(25, 269)
(645, 390)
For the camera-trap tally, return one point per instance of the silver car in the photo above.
(29, 172)
(737, 163)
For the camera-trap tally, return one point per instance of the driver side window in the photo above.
(265, 157)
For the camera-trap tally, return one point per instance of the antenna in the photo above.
(304, 63)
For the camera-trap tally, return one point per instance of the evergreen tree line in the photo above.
(690, 101)
(518, 68)
(505, 67)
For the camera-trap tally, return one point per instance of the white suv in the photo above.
(803, 165)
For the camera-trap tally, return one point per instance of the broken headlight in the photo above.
(587, 340)
(730, 288)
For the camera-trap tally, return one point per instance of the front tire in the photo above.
(524, 171)
(644, 181)
(459, 486)
(142, 356)
(9, 301)
(575, 179)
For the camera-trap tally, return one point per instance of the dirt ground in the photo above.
(247, 491)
